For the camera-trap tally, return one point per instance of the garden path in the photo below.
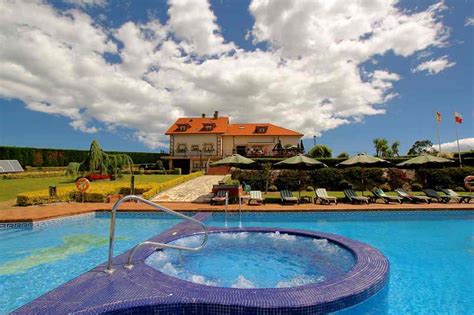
(194, 190)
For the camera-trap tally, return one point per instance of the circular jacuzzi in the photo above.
(255, 260)
(275, 271)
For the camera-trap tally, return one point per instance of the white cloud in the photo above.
(434, 66)
(194, 22)
(469, 21)
(87, 3)
(465, 144)
(310, 80)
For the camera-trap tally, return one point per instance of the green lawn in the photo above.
(9, 188)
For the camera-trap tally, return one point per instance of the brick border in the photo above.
(146, 290)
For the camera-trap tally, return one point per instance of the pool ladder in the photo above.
(129, 264)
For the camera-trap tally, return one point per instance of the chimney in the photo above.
(216, 114)
(203, 115)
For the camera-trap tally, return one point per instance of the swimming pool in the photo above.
(431, 254)
(37, 259)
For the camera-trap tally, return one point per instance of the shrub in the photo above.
(328, 178)
(98, 192)
(32, 175)
(320, 151)
(255, 179)
(232, 182)
(416, 187)
(272, 188)
(344, 184)
(386, 187)
(292, 180)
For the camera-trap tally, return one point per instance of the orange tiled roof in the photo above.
(250, 130)
(195, 125)
(222, 126)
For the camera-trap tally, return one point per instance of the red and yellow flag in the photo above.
(438, 117)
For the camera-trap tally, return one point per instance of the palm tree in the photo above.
(396, 148)
(376, 143)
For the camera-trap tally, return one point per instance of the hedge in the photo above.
(339, 179)
(40, 157)
(32, 175)
(99, 191)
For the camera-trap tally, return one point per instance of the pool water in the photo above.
(431, 254)
(255, 260)
(35, 261)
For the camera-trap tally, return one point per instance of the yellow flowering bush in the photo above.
(99, 191)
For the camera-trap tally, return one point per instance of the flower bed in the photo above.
(99, 191)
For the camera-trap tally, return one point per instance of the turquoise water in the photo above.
(35, 261)
(431, 254)
(255, 260)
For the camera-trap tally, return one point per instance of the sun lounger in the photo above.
(434, 195)
(380, 194)
(256, 195)
(353, 198)
(323, 197)
(219, 197)
(461, 199)
(412, 198)
(287, 197)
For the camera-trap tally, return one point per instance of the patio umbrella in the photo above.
(300, 162)
(363, 161)
(235, 160)
(425, 161)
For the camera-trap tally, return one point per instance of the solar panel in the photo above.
(10, 166)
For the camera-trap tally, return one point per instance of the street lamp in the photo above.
(314, 140)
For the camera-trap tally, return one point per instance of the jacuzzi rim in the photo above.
(300, 233)
(368, 276)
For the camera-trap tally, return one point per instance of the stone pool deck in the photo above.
(38, 213)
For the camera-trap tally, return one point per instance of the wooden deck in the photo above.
(38, 213)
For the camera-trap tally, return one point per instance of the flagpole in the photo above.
(439, 138)
(457, 140)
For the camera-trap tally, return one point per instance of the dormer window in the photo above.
(261, 129)
(182, 127)
(208, 127)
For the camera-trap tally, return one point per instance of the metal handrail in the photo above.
(161, 245)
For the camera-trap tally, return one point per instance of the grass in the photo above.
(9, 188)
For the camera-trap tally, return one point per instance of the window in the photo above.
(208, 147)
(182, 127)
(181, 148)
(261, 129)
(208, 127)
(195, 147)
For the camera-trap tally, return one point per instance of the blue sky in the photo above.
(39, 108)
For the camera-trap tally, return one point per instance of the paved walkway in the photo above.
(194, 190)
(38, 213)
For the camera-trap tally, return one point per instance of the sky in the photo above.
(121, 72)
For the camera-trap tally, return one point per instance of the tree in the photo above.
(421, 146)
(376, 143)
(395, 148)
(343, 155)
(97, 161)
(320, 151)
(381, 147)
